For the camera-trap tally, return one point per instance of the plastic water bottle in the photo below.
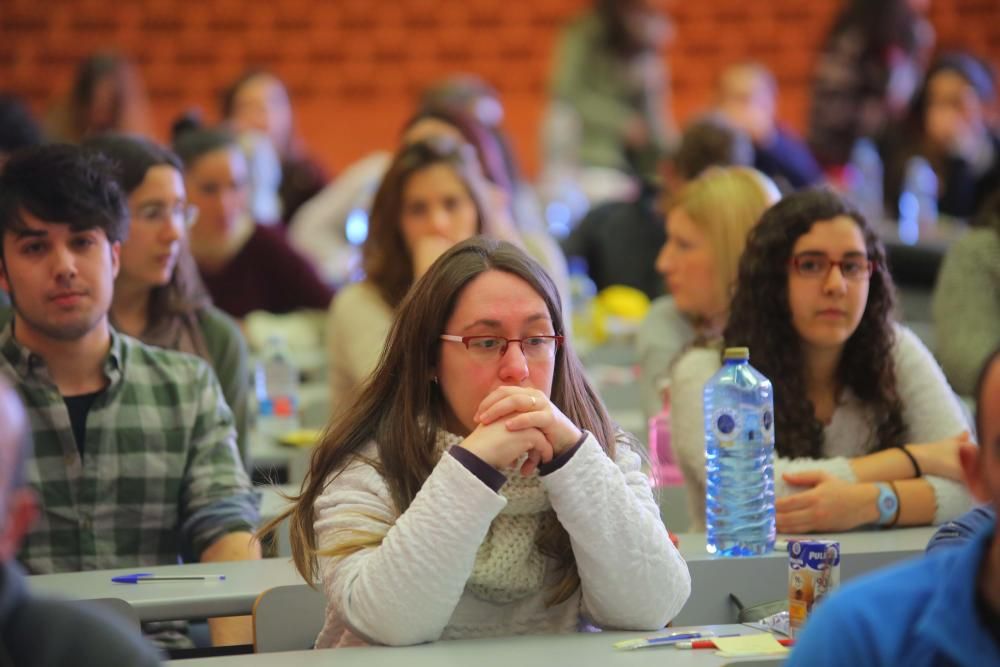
(276, 381)
(582, 291)
(867, 176)
(918, 202)
(665, 469)
(739, 458)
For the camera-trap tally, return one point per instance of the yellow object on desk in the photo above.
(302, 437)
(617, 310)
(745, 645)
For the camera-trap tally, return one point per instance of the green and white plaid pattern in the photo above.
(161, 477)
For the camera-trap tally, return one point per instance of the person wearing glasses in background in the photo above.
(159, 297)
(476, 487)
(868, 430)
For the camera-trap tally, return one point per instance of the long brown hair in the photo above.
(185, 294)
(385, 257)
(760, 318)
(401, 409)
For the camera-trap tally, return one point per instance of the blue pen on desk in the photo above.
(630, 644)
(148, 577)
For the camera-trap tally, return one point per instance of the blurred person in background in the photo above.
(433, 196)
(949, 125)
(706, 230)
(747, 97)
(259, 102)
(327, 226)
(246, 266)
(966, 302)
(620, 240)
(107, 95)
(608, 124)
(869, 67)
(18, 129)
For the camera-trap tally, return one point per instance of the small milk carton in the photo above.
(813, 571)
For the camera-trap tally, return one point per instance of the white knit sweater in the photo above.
(931, 412)
(412, 587)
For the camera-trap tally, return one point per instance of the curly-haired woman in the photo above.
(853, 390)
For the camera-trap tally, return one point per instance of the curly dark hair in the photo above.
(761, 319)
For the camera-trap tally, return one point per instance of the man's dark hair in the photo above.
(711, 141)
(63, 184)
(18, 128)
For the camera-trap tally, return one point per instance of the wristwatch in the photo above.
(887, 503)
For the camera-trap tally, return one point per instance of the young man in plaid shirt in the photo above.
(135, 460)
(39, 632)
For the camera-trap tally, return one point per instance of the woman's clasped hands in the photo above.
(514, 421)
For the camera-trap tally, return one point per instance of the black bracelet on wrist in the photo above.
(917, 472)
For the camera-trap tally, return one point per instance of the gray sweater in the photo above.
(931, 411)
(662, 337)
(966, 307)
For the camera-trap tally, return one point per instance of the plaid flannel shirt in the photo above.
(161, 477)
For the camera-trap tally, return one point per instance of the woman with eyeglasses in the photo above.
(475, 486)
(867, 429)
(159, 297)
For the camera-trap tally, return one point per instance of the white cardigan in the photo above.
(411, 588)
(930, 412)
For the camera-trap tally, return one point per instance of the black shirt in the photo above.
(79, 407)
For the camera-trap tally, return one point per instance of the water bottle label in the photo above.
(767, 425)
(725, 421)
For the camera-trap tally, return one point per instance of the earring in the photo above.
(434, 379)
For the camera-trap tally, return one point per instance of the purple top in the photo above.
(267, 274)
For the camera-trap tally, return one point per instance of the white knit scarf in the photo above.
(509, 565)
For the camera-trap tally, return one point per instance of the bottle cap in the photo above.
(737, 353)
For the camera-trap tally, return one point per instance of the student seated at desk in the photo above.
(433, 196)
(949, 126)
(476, 486)
(706, 230)
(966, 303)
(746, 96)
(159, 297)
(853, 391)
(37, 632)
(246, 266)
(943, 609)
(135, 459)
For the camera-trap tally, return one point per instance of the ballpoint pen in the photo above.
(666, 640)
(144, 577)
(708, 643)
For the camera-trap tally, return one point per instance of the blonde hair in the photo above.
(725, 203)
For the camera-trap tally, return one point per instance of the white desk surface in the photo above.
(245, 580)
(579, 650)
(753, 580)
